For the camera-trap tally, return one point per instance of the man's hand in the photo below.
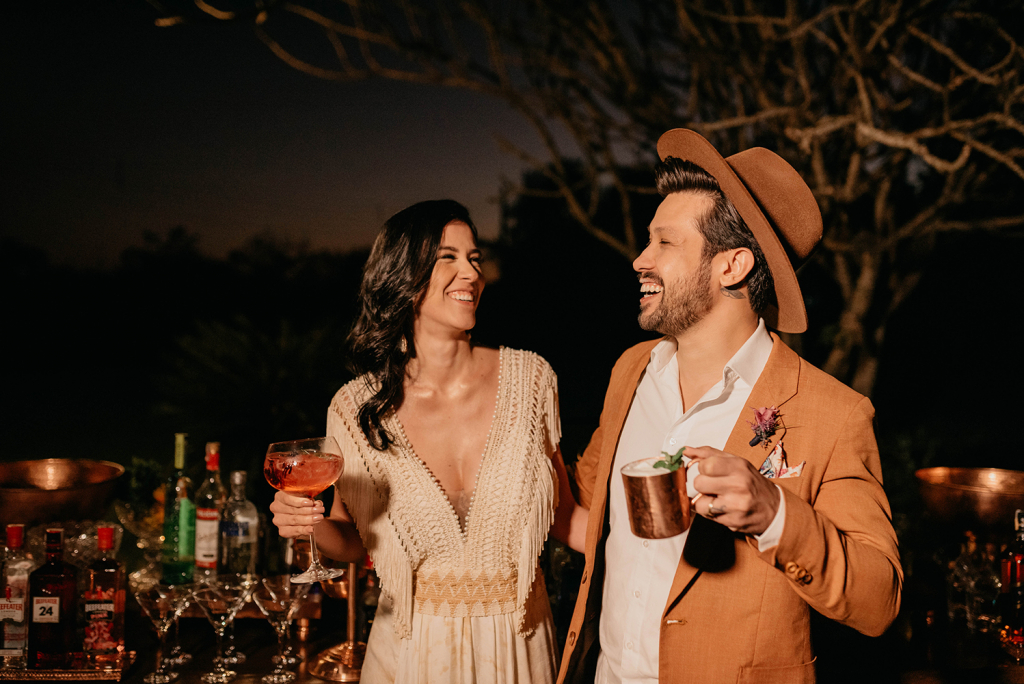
(733, 492)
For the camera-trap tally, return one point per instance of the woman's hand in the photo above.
(294, 516)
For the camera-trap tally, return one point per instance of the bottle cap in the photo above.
(54, 539)
(213, 455)
(238, 477)
(15, 536)
(179, 450)
(105, 538)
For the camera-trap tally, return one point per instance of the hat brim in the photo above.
(790, 315)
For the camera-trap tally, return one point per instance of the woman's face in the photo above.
(455, 285)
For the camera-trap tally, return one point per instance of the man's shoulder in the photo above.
(637, 354)
(814, 383)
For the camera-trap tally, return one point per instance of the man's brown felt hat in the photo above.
(775, 203)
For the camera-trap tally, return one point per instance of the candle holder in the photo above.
(344, 662)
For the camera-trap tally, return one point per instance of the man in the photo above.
(788, 466)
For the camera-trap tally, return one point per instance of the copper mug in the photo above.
(657, 499)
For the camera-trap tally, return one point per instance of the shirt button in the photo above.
(637, 593)
(672, 442)
(629, 645)
(646, 543)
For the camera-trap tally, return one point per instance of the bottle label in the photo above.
(13, 609)
(15, 639)
(99, 633)
(235, 529)
(186, 529)
(45, 609)
(207, 534)
(99, 611)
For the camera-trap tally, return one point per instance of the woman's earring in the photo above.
(403, 346)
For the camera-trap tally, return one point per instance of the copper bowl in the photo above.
(56, 489)
(972, 496)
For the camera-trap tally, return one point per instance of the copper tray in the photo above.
(78, 673)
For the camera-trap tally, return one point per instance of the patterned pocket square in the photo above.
(775, 465)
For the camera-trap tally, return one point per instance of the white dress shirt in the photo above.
(639, 572)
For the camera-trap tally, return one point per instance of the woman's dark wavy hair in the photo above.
(394, 281)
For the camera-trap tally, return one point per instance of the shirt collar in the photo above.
(748, 362)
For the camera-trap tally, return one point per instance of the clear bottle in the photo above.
(210, 498)
(104, 605)
(983, 595)
(13, 590)
(958, 582)
(179, 521)
(53, 597)
(239, 530)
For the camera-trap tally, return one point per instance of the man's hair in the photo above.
(721, 226)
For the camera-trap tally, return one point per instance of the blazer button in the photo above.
(572, 638)
(792, 568)
(806, 579)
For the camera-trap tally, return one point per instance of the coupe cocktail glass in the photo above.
(280, 599)
(163, 604)
(221, 600)
(306, 467)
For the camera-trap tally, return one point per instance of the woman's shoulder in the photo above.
(529, 362)
(352, 394)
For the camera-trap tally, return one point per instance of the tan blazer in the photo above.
(735, 614)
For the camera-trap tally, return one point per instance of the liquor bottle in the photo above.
(958, 580)
(1012, 576)
(104, 605)
(14, 587)
(210, 499)
(1012, 561)
(179, 521)
(239, 531)
(53, 597)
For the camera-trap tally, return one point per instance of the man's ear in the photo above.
(734, 266)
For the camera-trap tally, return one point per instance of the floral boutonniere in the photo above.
(766, 421)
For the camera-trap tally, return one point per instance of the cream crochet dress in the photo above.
(459, 606)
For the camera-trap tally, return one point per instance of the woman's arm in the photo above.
(336, 536)
(570, 526)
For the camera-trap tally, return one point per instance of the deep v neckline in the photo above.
(407, 446)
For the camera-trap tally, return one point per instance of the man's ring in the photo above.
(713, 511)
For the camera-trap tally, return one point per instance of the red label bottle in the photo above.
(53, 602)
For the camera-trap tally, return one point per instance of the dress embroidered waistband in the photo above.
(473, 593)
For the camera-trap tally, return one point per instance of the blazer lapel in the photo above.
(776, 385)
(625, 390)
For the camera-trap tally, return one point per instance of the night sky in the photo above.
(114, 126)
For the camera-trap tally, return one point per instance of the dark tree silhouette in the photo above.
(904, 117)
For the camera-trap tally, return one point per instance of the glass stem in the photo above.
(280, 647)
(161, 638)
(219, 665)
(312, 551)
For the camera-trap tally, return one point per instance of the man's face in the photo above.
(675, 279)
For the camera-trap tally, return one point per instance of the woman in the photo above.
(452, 471)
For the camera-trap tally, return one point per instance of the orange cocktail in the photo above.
(305, 467)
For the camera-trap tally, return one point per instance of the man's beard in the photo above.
(680, 311)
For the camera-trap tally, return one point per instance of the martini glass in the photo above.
(306, 467)
(177, 656)
(163, 604)
(221, 600)
(280, 599)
